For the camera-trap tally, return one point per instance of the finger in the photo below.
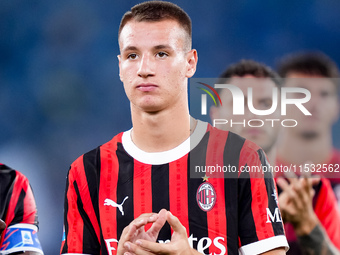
(305, 171)
(282, 183)
(175, 224)
(158, 224)
(315, 179)
(290, 175)
(303, 189)
(153, 247)
(144, 219)
(135, 248)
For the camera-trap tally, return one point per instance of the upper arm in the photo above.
(260, 222)
(81, 226)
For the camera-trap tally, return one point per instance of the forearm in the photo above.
(317, 243)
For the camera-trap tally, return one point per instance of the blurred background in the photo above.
(60, 91)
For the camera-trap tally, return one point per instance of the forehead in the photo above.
(310, 82)
(260, 86)
(151, 33)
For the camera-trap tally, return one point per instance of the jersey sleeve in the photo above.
(21, 219)
(81, 227)
(260, 223)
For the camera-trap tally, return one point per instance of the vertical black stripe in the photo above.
(124, 189)
(198, 222)
(160, 195)
(65, 248)
(231, 204)
(90, 239)
(7, 179)
(231, 158)
(232, 151)
(246, 223)
(103, 246)
(272, 195)
(91, 162)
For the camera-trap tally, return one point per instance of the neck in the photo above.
(161, 131)
(297, 150)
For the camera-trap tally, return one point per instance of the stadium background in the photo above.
(60, 91)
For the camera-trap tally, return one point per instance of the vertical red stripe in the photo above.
(217, 221)
(76, 226)
(108, 189)
(178, 186)
(259, 204)
(216, 217)
(142, 192)
(86, 199)
(30, 208)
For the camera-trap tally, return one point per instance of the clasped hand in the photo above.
(136, 241)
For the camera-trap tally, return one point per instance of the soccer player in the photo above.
(134, 194)
(311, 139)
(18, 213)
(309, 216)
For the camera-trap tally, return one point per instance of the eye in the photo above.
(132, 56)
(266, 103)
(162, 54)
(325, 94)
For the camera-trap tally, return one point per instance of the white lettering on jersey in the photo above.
(108, 245)
(114, 204)
(271, 217)
(204, 243)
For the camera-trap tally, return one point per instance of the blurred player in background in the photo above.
(114, 191)
(18, 214)
(309, 214)
(311, 140)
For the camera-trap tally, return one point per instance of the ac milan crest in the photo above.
(206, 196)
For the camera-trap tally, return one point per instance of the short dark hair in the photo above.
(312, 63)
(152, 11)
(250, 67)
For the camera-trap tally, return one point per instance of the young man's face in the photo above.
(323, 104)
(262, 88)
(154, 65)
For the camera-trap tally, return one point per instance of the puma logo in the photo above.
(114, 204)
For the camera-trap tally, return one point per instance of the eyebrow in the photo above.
(157, 47)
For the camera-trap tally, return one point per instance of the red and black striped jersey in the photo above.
(110, 186)
(18, 210)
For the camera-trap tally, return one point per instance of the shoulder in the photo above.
(11, 175)
(232, 139)
(91, 160)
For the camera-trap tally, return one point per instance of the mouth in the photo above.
(147, 87)
(253, 131)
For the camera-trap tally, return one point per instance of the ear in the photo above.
(192, 59)
(119, 64)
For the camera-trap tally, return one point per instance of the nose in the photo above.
(146, 67)
(313, 103)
